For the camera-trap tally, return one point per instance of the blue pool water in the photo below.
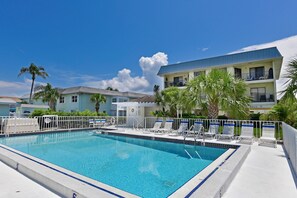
(142, 167)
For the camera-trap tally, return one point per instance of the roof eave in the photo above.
(216, 66)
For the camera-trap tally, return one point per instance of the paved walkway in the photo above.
(265, 173)
(15, 185)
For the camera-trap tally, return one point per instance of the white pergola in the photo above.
(137, 105)
(135, 111)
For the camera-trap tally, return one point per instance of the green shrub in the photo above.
(255, 116)
(222, 117)
(39, 112)
(194, 116)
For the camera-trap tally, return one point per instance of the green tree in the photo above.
(111, 89)
(285, 110)
(176, 101)
(48, 94)
(34, 71)
(220, 91)
(97, 99)
(291, 83)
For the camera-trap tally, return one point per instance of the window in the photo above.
(237, 73)
(178, 81)
(62, 99)
(123, 99)
(114, 100)
(74, 98)
(198, 73)
(257, 73)
(258, 94)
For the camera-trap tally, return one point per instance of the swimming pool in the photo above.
(142, 167)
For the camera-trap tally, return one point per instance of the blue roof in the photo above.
(229, 59)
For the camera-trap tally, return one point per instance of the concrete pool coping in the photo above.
(61, 181)
(68, 186)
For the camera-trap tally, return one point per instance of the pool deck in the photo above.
(14, 185)
(264, 173)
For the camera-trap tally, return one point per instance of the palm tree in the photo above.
(48, 94)
(34, 71)
(158, 96)
(291, 83)
(111, 89)
(97, 99)
(222, 91)
(176, 101)
(156, 89)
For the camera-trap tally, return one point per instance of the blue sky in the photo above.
(91, 42)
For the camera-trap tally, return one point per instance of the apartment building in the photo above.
(79, 99)
(74, 99)
(259, 69)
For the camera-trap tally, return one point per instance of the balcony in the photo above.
(255, 76)
(262, 97)
(175, 84)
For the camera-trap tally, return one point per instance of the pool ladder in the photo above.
(191, 155)
(203, 139)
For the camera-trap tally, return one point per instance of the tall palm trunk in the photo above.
(31, 92)
(52, 105)
(97, 107)
(213, 110)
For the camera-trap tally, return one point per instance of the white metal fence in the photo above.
(52, 122)
(11, 125)
(149, 123)
(290, 144)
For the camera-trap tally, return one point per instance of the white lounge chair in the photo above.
(195, 130)
(167, 127)
(228, 131)
(268, 132)
(183, 127)
(155, 128)
(99, 122)
(247, 133)
(213, 130)
(91, 122)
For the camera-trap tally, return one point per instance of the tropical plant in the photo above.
(175, 101)
(220, 91)
(48, 94)
(40, 112)
(34, 71)
(97, 99)
(285, 110)
(291, 83)
(159, 100)
(111, 89)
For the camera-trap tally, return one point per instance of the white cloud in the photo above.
(17, 89)
(125, 82)
(150, 67)
(14, 88)
(288, 49)
(204, 49)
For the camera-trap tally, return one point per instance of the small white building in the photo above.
(5, 105)
(137, 110)
(27, 109)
